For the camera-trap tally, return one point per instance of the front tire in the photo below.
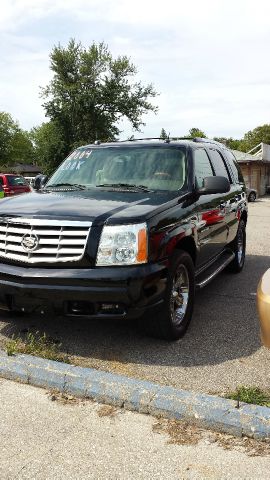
(172, 320)
(239, 249)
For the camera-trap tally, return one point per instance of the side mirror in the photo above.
(213, 185)
(39, 181)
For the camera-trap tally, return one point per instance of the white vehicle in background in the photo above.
(30, 180)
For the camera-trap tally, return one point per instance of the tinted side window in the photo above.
(218, 163)
(236, 171)
(203, 166)
(1, 181)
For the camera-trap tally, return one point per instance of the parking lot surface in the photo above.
(222, 349)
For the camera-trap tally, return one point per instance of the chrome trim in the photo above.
(58, 240)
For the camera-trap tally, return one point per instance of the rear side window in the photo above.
(218, 164)
(202, 165)
(1, 181)
(16, 181)
(235, 168)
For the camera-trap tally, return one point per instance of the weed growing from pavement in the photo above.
(38, 345)
(252, 395)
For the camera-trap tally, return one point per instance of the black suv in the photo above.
(125, 230)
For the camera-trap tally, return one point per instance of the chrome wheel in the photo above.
(179, 295)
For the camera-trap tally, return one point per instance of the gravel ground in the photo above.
(221, 350)
(52, 436)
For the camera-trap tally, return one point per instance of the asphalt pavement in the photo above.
(221, 351)
(45, 435)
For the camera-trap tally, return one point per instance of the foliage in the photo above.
(37, 345)
(50, 146)
(22, 150)
(90, 92)
(256, 136)
(15, 144)
(251, 395)
(163, 134)
(230, 142)
(196, 132)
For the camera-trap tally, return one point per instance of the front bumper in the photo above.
(97, 292)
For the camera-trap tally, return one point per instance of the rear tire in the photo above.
(239, 249)
(252, 197)
(172, 320)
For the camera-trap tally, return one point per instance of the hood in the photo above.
(89, 205)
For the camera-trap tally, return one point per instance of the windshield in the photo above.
(155, 168)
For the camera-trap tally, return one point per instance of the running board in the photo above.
(207, 275)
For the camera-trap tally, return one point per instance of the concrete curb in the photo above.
(141, 396)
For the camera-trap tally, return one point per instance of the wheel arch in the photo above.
(244, 216)
(188, 245)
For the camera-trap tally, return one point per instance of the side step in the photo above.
(205, 277)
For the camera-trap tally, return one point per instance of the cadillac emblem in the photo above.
(29, 242)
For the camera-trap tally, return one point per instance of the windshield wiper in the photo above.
(142, 188)
(76, 185)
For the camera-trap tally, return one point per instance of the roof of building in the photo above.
(26, 168)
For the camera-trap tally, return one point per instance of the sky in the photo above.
(208, 60)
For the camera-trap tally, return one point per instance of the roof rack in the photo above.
(167, 139)
(171, 139)
(145, 138)
(208, 140)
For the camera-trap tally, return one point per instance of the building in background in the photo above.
(255, 166)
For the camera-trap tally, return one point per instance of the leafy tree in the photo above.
(15, 144)
(196, 132)
(49, 144)
(91, 91)
(256, 136)
(8, 128)
(230, 142)
(21, 148)
(163, 134)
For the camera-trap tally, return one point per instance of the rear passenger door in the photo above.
(211, 222)
(238, 202)
(230, 199)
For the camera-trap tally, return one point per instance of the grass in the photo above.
(252, 395)
(38, 345)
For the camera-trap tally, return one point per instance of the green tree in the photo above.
(196, 132)
(163, 134)
(91, 91)
(230, 142)
(256, 136)
(21, 148)
(49, 145)
(15, 143)
(8, 128)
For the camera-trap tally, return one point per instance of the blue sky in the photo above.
(208, 60)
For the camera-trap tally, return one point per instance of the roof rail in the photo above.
(172, 139)
(208, 140)
(145, 138)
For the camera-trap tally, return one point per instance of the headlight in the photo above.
(123, 245)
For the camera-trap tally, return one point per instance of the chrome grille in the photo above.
(54, 240)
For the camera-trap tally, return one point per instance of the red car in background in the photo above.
(13, 184)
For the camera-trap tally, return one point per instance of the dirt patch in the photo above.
(182, 433)
(64, 398)
(107, 411)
